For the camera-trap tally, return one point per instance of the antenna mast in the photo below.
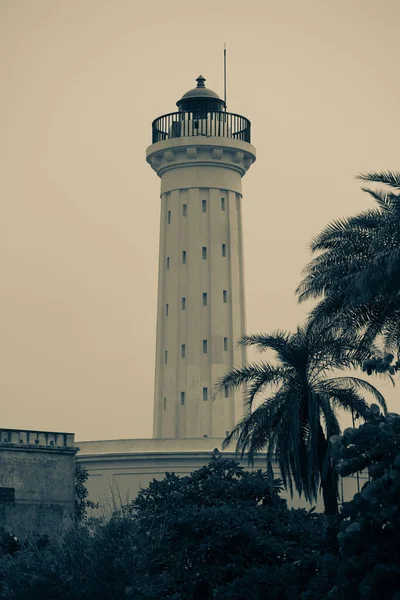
(225, 74)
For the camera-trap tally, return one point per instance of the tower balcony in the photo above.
(198, 123)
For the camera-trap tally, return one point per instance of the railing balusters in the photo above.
(188, 123)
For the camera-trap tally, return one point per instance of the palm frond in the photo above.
(331, 421)
(357, 266)
(391, 178)
(278, 341)
(259, 384)
(382, 198)
(347, 399)
(259, 374)
(253, 430)
(355, 383)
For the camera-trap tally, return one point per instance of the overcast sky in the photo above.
(81, 82)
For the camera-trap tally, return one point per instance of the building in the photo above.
(201, 152)
(37, 482)
(118, 469)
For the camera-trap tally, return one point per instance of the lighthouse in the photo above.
(201, 152)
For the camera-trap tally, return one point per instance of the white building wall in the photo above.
(118, 469)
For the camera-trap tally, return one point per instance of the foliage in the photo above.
(81, 494)
(381, 364)
(369, 536)
(224, 533)
(220, 481)
(356, 273)
(294, 423)
(221, 533)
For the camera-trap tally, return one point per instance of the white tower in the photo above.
(201, 154)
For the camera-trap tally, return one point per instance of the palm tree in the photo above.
(357, 270)
(294, 423)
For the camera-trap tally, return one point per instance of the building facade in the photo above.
(37, 482)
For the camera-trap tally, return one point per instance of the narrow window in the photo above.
(183, 303)
(169, 217)
(184, 210)
(222, 203)
(165, 404)
(166, 356)
(167, 262)
(225, 296)
(204, 346)
(225, 344)
(227, 433)
(166, 310)
(183, 351)
(204, 253)
(205, 393)
(7, 494)
(183, 398)
(224, 250)
(184, 257)
(226, 391)
(204, 298)
(204, 205)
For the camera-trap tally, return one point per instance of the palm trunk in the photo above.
(329, 494)
(328, 482)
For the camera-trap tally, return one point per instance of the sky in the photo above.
(81, 82)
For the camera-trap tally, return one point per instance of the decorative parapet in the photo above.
(30, 438)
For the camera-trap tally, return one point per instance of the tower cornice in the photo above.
(196, 151)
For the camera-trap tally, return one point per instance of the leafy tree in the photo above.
(225, 534)
(295, 422)
(81, 494)
(369, 537)
(356, 274)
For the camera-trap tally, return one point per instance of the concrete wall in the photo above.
(118, 469)
(37, 482)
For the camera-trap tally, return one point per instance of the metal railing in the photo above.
(208, 124)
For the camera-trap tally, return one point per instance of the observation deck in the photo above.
(197, 123)
(201, 113)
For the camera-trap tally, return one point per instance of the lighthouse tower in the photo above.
(200, 153)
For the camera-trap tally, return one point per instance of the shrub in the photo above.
(81, 495)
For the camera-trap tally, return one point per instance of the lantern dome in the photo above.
(201, 99)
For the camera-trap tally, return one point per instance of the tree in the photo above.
(296, 421)
(224, 533)
(369, 538)
(356, 274)
(81, 494)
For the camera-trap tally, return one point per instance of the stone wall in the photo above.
(37, 482)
